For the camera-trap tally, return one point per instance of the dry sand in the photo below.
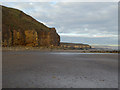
(36, 69)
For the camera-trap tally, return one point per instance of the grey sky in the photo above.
(89, 22)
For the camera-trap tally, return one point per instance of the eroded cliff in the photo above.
(20, 29)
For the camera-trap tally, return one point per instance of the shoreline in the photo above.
(44, 49)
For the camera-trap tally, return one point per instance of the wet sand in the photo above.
(36, 69)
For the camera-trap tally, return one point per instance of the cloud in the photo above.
(87, 35)
(88, 20)
(60, 1)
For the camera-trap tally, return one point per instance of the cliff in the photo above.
(20, 29)
(74, 46)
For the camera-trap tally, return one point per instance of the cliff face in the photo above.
(19, 29)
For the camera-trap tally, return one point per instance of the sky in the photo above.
(94, 23)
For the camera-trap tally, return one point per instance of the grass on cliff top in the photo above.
(16, 19)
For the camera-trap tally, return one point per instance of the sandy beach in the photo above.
(39, 69)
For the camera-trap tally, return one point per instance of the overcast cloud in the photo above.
(90, 23)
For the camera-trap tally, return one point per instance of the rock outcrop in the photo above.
(74, 46)
(20, 29)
